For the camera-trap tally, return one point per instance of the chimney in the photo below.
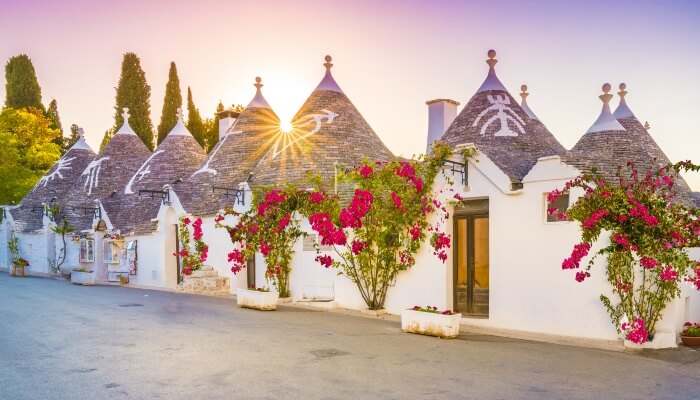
(226, 120)
(441, 113)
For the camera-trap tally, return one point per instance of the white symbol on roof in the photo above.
(499, 104)
(63, 163)
(305, 121)
(93, 174)
(141, 171)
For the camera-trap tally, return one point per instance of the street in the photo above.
(61, 341)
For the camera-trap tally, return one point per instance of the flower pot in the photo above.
(82, 278)
(691, 341)
(431, 324)
(255, 299)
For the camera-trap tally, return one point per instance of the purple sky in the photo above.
(390, 57)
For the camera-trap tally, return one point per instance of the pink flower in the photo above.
(285, 221)
(648, 262)
(668, 274)
(397, 201)
(406, 170)
(418, 183)
(219, 218)
(265, 248)
(636, 331)
(325, 260)
(415, 232)
(622, 218)
(186, 221)
(358, 246)
(594, 219)
(316, 197)
(621, 240)
(581, 275)
(650, 220)
(366, 171)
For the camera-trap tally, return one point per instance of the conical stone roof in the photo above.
(172, 162)
(53, 187)
(617, 138)
(500, 128)
(233, 159)
(107, 174)
(326, 131)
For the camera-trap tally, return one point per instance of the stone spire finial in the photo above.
(606, 96)
(125, 114)
(523, 102)
(180, 117)
(606, 121)
(646, 125)
(492, 58)
(622, 93)
(623, 111)
(328, 63)
(81, 133)
(258, 83)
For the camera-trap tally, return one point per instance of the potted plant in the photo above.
(690, 336)
(431, 321)
(257, 298)
(83, 277)
(18, 266)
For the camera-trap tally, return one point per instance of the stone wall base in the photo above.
(205, 281)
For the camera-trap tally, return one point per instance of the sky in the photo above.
(389, 57)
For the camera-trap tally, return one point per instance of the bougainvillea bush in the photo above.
(271, 227)
(649, 228)
(192, 256)
(375, 228)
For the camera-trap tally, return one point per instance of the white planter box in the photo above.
(82, 278)
(265, 301)
(425, 323)
(663, 339)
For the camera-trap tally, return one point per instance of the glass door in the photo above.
(471, 275)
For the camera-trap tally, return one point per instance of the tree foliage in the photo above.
(22, 88)
(194, 121)
(29, 150)
(52, 115)
(171, 102)
(134, 93)
(74, 136)
(109, 134)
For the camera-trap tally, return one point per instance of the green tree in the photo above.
(52, 115)
(171, 102)
(29, 150)
(194, 121)
(213, 128)
(134, 93)
(22, 88)
(109, 134)
(74, 136)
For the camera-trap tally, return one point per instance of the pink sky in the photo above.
(390, 57)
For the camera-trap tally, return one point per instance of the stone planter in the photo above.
(691, 341)
(425, 323)
(82, 278)
(283, 300)
(373, 313)
(255, 299)
(663, 339)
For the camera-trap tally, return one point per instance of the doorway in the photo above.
(471, 261)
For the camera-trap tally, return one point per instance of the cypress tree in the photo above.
(171, 102)
(74, 136)
(133, 92)
(109, 133)
(52, 116)
(194, 121)
(22, 89)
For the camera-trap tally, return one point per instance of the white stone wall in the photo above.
(34, 248)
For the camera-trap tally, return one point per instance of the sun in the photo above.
(286, 126)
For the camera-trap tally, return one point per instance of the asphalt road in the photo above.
(60, 341)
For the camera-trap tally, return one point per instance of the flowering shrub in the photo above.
(691, 329)
(378, 232)
(269, 228)
(646, 257)
(193, 257)
(434, 310)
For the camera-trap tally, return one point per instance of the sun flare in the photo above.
(286, 126)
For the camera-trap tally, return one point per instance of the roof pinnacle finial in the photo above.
(81, 133)
(623, 111)
(622, 93)
(606, 96)
(492, 60)
(328, 63)
(125, 114)
(258, 83)
(523, 103)
(179, 115)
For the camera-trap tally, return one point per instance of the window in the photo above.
(310, 242)
(556, 207)
(87, 250)
(111, 251)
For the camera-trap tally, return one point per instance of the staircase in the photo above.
(205, 281)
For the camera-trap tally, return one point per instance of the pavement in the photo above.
(61, 341)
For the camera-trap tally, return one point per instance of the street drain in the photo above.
(327, 353)
(131, 305)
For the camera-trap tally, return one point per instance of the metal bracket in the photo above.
(164, 195)
(455, 167)
(238, 194)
